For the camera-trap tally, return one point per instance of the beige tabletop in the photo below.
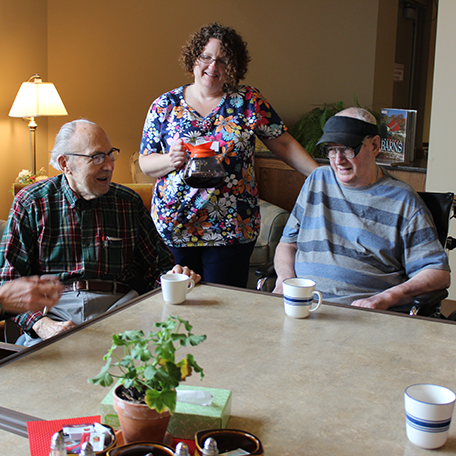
(332, 384)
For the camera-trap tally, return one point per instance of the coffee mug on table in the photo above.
(298, 297)
(175, 287)
(428, 412)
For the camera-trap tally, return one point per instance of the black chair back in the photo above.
(440, 205)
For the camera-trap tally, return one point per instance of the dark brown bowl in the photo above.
(229, 440)
(140, 449)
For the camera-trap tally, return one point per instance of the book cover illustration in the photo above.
(397, 134)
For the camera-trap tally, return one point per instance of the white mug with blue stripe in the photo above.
(428, 412)
(298, 295)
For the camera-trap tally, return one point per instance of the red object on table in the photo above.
(41, 432)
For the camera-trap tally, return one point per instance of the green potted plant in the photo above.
(309, 128)
(149, 373)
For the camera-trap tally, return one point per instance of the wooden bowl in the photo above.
(229, 440)
(140, 449)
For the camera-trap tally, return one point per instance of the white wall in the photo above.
(441, 175)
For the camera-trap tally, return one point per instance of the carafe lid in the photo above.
(201, 150)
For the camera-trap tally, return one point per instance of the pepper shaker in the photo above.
(210, 447)
(86, 449)
(58, 447)
(181, 449)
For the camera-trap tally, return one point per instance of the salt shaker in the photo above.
(86, 449)
(210, 447)
(58, 447)
(181, 449)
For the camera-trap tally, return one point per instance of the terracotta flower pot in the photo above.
(138, 422)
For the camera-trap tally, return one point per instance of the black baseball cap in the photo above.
(347, 131)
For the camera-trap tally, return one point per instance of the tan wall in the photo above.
(385, 51)
(110, 58)
(23, 52)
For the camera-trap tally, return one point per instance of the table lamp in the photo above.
(34, 99)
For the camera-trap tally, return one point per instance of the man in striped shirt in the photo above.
(95, 236)
(365, 237)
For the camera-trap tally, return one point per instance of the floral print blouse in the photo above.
(225, 215)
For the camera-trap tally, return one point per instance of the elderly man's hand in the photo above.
(374, 302)
(278, 287)
(30, 294)
(178, 269)
(46, 328)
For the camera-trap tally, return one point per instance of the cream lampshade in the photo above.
(34, 99)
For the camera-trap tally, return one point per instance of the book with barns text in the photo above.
(397, 129)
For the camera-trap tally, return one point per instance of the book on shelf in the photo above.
(397, 129)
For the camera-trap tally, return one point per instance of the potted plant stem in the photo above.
(149, 374)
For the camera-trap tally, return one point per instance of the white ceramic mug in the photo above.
(175, 287)
(428, 412)
(298, 297)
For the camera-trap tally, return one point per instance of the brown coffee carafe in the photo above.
(205, 168)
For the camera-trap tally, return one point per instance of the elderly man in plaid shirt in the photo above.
(96, 236)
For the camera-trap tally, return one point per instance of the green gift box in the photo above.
(188, 418)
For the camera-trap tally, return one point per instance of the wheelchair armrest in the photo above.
(426, 304)
(265, 271)
(431, 298)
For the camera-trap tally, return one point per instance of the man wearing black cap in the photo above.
(364, 236)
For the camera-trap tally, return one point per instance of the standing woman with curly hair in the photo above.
(213, 230)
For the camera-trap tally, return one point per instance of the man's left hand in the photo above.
(46, 327)
(374, 302)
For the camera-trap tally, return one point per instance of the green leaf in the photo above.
(188, 327)
(161, 400)
(104, 378)
(117, 340)
(166, 351)
(128, 383)
(174, 374)
(195, 340)
(150, 372)
(191, 361)
(126, 361)
(133, 335)
(141, 353)
(179, 338)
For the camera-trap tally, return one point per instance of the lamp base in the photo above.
(32, 125)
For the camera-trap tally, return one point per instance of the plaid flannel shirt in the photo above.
(50, 230)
